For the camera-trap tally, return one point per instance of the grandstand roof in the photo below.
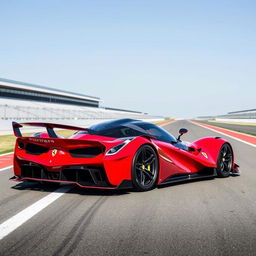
(43, 89)
(242, 111)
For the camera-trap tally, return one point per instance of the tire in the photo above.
(145, 168)
(225, 161)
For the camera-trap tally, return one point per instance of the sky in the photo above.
(172, 58)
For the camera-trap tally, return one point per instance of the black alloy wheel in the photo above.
(225, 161)
(145, 168)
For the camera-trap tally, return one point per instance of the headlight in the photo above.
(118, 147)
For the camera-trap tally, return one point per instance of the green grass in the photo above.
(7, 142)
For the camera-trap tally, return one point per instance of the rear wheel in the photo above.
(225, 161)
(145, 168)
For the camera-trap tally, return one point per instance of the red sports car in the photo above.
(123, 153)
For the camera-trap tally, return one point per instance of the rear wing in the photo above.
(49, 128)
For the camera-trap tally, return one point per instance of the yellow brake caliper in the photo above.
(144, 167)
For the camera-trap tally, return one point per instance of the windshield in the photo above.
(131, 128)
(157, 132)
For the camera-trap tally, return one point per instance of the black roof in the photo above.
(114, 129)
(112, 124)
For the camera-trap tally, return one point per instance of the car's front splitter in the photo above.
(125, 184)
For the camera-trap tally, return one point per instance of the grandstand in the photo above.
(248, 115)
(27, 102)
(37, 93)
(243, 114)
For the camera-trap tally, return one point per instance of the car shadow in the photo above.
(54, 187)
(182, 182)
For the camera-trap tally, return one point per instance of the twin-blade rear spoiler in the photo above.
(49, 127)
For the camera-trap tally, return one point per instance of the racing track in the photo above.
(209, 217)
(249, 129)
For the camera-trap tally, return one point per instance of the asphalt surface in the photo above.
(250, 129)
(209, 217)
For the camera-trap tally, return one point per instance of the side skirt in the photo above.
(205, 174)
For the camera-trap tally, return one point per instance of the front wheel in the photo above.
(145, 168)
(225, 161)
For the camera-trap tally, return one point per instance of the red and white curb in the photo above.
(6, 161)
(247, 139)
(166, 123)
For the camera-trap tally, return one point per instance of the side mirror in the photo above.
(181, 132)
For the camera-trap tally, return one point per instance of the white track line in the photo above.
(6, 154)
(6, 168)
(20, 218)
(211, 129)
(242, 133)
